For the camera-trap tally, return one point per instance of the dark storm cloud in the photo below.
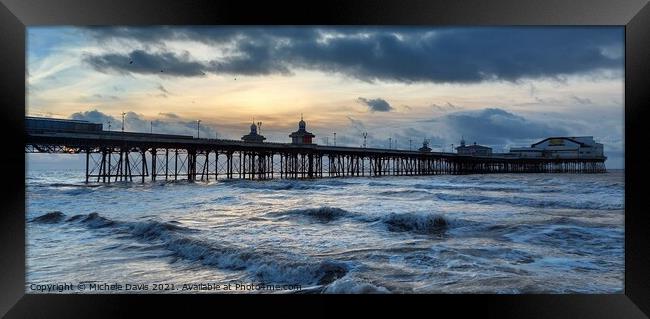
(255, 59)
(495, 126)
(464, 55)
(456, 55)
(140, 61)
(376, 105)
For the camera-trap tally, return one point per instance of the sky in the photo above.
(497, 86)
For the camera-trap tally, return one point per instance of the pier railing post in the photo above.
(87, 162)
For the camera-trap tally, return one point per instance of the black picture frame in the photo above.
(15, 15)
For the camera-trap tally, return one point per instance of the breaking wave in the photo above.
(266, 265)
(416, 223)
(347, 285)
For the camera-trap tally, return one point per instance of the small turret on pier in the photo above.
(425, 147)
(301, 136)
(253, 137)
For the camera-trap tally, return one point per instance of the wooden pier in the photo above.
(125, 156)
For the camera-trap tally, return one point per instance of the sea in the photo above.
(494, 233)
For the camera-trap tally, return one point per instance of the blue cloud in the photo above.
(494, 126)
(376, 105)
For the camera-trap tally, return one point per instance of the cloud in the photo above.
(414, 138)
(445, 107)
(376, 105)
(134, 122)
(98, 97)
(139, 61)
(253, 59)
(406, 54)
(357, 125)
(352, 135)
(170, 115)
(579, 100)
(94, 116)
(161, 88)
(494, 126)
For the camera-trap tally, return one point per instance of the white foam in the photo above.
(348, 285)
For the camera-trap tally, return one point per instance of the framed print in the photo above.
(429, 153)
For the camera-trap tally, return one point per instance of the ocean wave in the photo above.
(76, 218)
(380, 184)
(332, 182)
(529, 202)
(65, 185)
(403, 192)
(93, 220)
(49, 218)
(573, 237)
(468, 187)
(416, 223)
(321, 214)
(155, 229)
(272, 185)
(527, 188)
(72, 189)
(563, 220)
(287, 184)
(347, 285)
(265, 265)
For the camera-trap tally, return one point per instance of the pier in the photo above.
(126, 156)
